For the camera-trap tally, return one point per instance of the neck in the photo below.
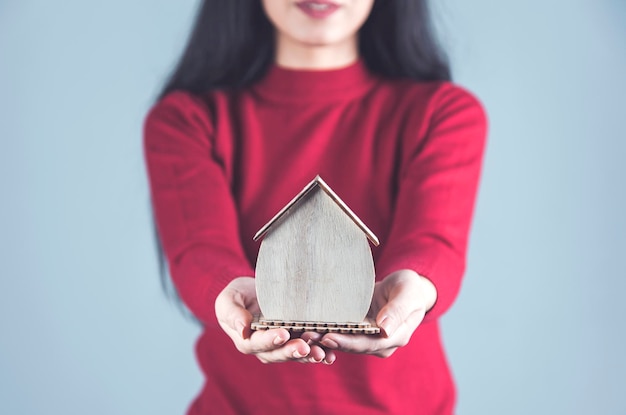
(292, 54)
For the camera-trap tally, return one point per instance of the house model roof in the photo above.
(318, 182)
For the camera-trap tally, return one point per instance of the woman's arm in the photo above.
(193, 206)
(424, 257)
(198, 226)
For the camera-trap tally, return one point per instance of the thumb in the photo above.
(400, 306)
(232, 314)
(241, 322)
(390, 318)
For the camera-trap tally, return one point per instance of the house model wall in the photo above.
(315, 262)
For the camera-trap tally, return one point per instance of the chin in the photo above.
(320, 38)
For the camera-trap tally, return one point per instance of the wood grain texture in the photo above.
(315, 264)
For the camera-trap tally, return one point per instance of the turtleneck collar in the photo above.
(290, 84)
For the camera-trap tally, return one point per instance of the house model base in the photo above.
(365, 327)
(315, 270)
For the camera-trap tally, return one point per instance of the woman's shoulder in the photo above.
(426, 102)
(433, 94)
(178, 114)
(184, 107)
(443, 106)
(178, 102)
(187, 104)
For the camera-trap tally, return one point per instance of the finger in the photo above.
(295, 349)
(381, 347)
(372, 344)
(317, 354)
(330, 357)
(355, 343)
(311, 337)
(263, 341)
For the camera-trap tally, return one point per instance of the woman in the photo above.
(267, 95)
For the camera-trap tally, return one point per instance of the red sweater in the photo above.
(404, 155)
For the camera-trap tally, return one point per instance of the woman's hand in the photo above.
(399, 304)
(234, 308)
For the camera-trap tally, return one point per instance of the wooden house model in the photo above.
(315, 271)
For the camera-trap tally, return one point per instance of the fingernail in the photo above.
(297, 354)
(279, 340)
(331, 344)
(240, 325)
(386, 324)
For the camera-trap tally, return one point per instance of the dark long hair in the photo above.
(232, 46)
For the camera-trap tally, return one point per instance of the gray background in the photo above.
(84, 328)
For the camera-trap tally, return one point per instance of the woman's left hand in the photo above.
(399, 304)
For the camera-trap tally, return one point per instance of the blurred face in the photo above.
(317, 22)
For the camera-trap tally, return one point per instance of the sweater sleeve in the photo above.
(193, 205)
(436, 194)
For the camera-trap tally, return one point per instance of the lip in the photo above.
(329, 8)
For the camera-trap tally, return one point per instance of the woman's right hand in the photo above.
(234, 308)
